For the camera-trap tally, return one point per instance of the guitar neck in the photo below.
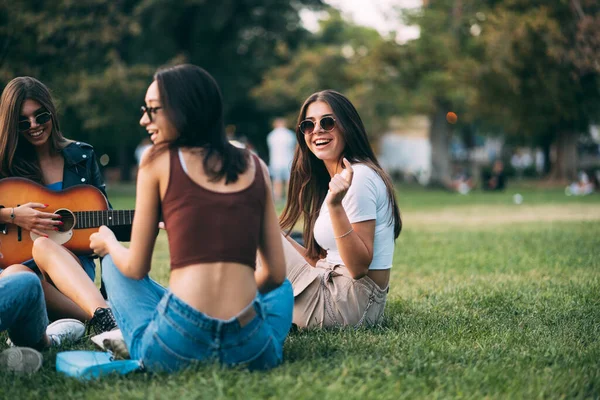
(95, 219)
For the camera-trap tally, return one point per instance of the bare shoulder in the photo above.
(263, 167)
(153, 164)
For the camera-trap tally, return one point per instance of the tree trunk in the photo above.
(564, 167)
(439, 137)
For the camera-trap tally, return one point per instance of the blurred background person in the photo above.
(494, 179)
(582, 187)
(281, 142)
(462, 182)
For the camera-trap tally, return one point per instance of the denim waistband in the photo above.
(170, 303)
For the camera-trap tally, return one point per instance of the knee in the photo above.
(27, 283)
(43, 247)
(16, 268)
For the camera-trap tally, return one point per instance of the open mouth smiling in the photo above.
(322, 142)
(37, 133)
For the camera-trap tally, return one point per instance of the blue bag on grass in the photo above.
(93, 364)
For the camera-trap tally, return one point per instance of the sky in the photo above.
(378, 14)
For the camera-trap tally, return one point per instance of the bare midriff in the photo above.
(220, 290)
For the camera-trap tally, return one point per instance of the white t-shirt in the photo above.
(281, 142)
(366, 199)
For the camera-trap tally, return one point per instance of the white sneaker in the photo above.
(66, 329)
(20, 359)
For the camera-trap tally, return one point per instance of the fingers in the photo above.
(338, 183)
(348, 172)
(47, 215)
(35, 205)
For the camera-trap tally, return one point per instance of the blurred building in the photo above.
(405, 150)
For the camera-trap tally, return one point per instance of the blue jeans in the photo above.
(166, 334)
(23, 309)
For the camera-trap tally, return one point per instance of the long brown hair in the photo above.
(17, 155)
(309, 180)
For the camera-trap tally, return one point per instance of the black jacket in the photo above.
(81, 168)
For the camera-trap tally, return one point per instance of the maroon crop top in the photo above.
(204, 226)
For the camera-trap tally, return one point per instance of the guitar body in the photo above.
(17, 243)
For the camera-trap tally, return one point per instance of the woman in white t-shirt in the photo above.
(351, 218)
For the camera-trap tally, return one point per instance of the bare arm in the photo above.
(135, 261)
(302, 250)
(355, 248)
(354, 241)
(270, 250)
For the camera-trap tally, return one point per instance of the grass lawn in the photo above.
(487, 299)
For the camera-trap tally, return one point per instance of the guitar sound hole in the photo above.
(67, 218)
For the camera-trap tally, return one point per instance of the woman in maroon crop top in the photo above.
(217, 306)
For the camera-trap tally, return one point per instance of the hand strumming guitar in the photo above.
(29, 218)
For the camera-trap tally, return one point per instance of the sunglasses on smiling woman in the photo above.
(308, 126)
(149, 111)
(40, 119)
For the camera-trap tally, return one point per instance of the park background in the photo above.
(490, 297)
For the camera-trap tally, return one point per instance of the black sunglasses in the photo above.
(149, 111)
(40, 119)
(307, 126)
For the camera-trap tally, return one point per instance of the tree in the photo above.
(542, 73)
(98, 57)
(236, 41)
(442, 64)
(76, 49)
(345, 57)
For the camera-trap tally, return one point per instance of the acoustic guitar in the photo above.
(83, 209)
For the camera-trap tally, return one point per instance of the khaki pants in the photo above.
(327, 296)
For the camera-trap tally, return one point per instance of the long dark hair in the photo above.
(17, 155)
(192, 101)
(309, 180)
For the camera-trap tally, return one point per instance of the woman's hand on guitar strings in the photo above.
(101, 241)
(30, 219)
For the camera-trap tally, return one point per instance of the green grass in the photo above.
(502, 310)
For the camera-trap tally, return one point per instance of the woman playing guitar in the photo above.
(33, 147)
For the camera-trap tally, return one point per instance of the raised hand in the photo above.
(339, 185)
(30, 219)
